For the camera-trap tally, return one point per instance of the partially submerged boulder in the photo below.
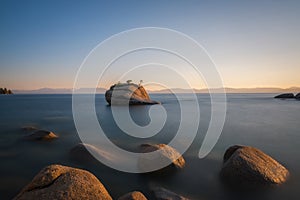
(80, 152)
(164, 194)
(248, 165)
(135, 195)
(297, 96)
(128, 93)
(167, 154)
(61, 183)
(85, 153)
(285, 96)
(41, 135)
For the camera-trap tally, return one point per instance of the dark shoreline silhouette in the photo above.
(5, 91)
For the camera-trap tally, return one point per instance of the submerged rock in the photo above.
(167, 154)
(124, 94)
(7, 154)
(80, 152)
(86, 152)
(285, 96)
(29, 128)
(61, 183)
(41, 135)
(135, 195)
(164, 194)
(297, 96)
(244, 164)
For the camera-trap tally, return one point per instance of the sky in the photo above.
(252, 43)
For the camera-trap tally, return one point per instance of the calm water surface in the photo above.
(252, 119)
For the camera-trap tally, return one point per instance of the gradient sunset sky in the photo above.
(253, 43)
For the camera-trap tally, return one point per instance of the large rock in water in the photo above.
(297, 96)
(285, 96)
(61, 183)
(124, 94)
(248, 165)
(167, 155)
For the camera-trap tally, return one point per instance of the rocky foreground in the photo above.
(242, 165)
(62, 182)
(248, 165)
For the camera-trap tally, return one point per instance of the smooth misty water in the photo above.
(252, 119)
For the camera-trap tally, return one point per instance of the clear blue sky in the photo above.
(253, 43)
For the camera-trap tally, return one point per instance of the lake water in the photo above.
(258, 120)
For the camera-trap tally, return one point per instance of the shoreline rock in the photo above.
(249, 165)
(128, 93)
(62, 182)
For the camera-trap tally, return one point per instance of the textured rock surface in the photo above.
(41, 135)
(125, 94)
(297, 96)
(164, 194)
(243, 164)
(135, 195)
(285, 96)
(61, 182)
(167, 154)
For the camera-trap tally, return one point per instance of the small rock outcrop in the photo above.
(285, 96)
(167, 154)
(248, 165)
(297, 96)
(128, 93)
(61, 183)
(164, 194)
(135, 195)
(41, 135)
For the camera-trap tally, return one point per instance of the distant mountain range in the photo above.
(59, 91)
(174, 90)
(233, 90)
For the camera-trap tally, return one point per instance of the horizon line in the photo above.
(226, 87)
(293, 89)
